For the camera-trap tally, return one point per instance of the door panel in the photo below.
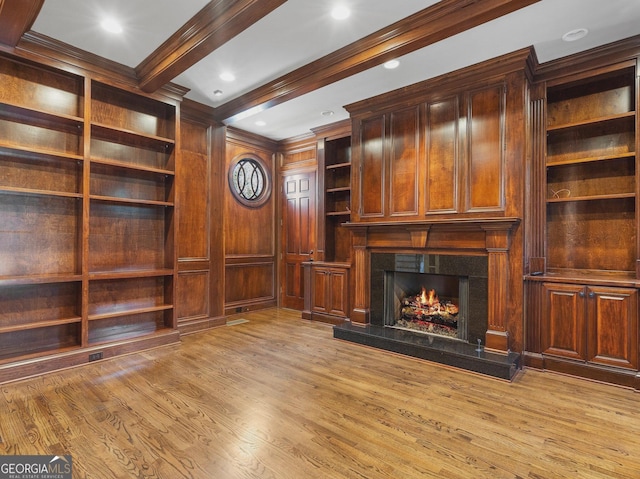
(613, 326)
(564, 331)
(298, 233)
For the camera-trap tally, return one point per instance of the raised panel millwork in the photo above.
(192, 295)
(613, 326)
(247, 283)
(372, 169)
(564, 331)
(404, 162)
(486, 149)
(442, 156)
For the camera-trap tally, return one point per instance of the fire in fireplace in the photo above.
(427, 303)
(427, 313)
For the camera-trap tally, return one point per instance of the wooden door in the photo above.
(298, 235)
(563, 329)
(613, 326)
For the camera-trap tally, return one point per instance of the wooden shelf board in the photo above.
(338, 165)
(130, 166)
(130, 201)
(25, 114)
(592, 198)
(129, 312)
(39, 324)
(338, 213)
(128, 137)
(591, 121)
(129, 273)
(590, 159)
(40, 279)
(23, 152)
(29, 191)
(341, 189)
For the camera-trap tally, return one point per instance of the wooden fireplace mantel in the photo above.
(490, 236)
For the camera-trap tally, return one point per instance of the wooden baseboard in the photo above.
(76, 357)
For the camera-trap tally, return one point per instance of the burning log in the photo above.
(425, 312)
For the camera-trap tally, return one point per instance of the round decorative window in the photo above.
(249, 181)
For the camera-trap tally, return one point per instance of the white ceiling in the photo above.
(301, 31)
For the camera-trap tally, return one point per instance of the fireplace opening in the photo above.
(461, 280)
(427, 303)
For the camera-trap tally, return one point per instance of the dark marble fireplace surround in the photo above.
(470, 354)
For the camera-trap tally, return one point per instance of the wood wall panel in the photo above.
(192, 300)
(372, 173)
(194, 191)
(442, 156)
(249, 283)
(405, 159)
(249, 233)
(200, 279)
(486, 149)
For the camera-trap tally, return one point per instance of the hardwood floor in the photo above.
(278, 397)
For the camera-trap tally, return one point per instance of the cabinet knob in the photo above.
(581, 294)
(592, 294)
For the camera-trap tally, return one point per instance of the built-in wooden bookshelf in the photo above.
(87, 206)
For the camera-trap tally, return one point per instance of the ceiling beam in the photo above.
(217, 23)
(442, 20)
(17, 17)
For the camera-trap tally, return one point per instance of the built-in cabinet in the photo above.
(597, 324)
(87, 208)
(330, 290)
(586, 275)
(327, 276)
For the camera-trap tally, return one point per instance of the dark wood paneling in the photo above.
(486, 149)
(442, 156)
(613, 327)
(192, 296)
(564, 331)
(249, 283)
(404, 162)
(193, 174)
(372, 171)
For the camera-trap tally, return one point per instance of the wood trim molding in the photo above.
(16, 18)
(217, 23)
(442, 20)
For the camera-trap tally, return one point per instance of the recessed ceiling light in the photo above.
(391, 64)
(574, 35)
(261, 123)
(111, 25)
(326, 113)
(227, 76)
(217, 93)
(340, 12)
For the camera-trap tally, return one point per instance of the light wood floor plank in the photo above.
(277, 397)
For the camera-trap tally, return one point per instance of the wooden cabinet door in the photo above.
(613, 326)
(563, 326)
(320, 289)
(339, 289)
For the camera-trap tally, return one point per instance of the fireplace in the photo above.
(456, 279)
(427, 303)
(469, 260)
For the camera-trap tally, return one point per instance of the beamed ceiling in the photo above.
(295, 66)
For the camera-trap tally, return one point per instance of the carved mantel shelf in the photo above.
(416, 234)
